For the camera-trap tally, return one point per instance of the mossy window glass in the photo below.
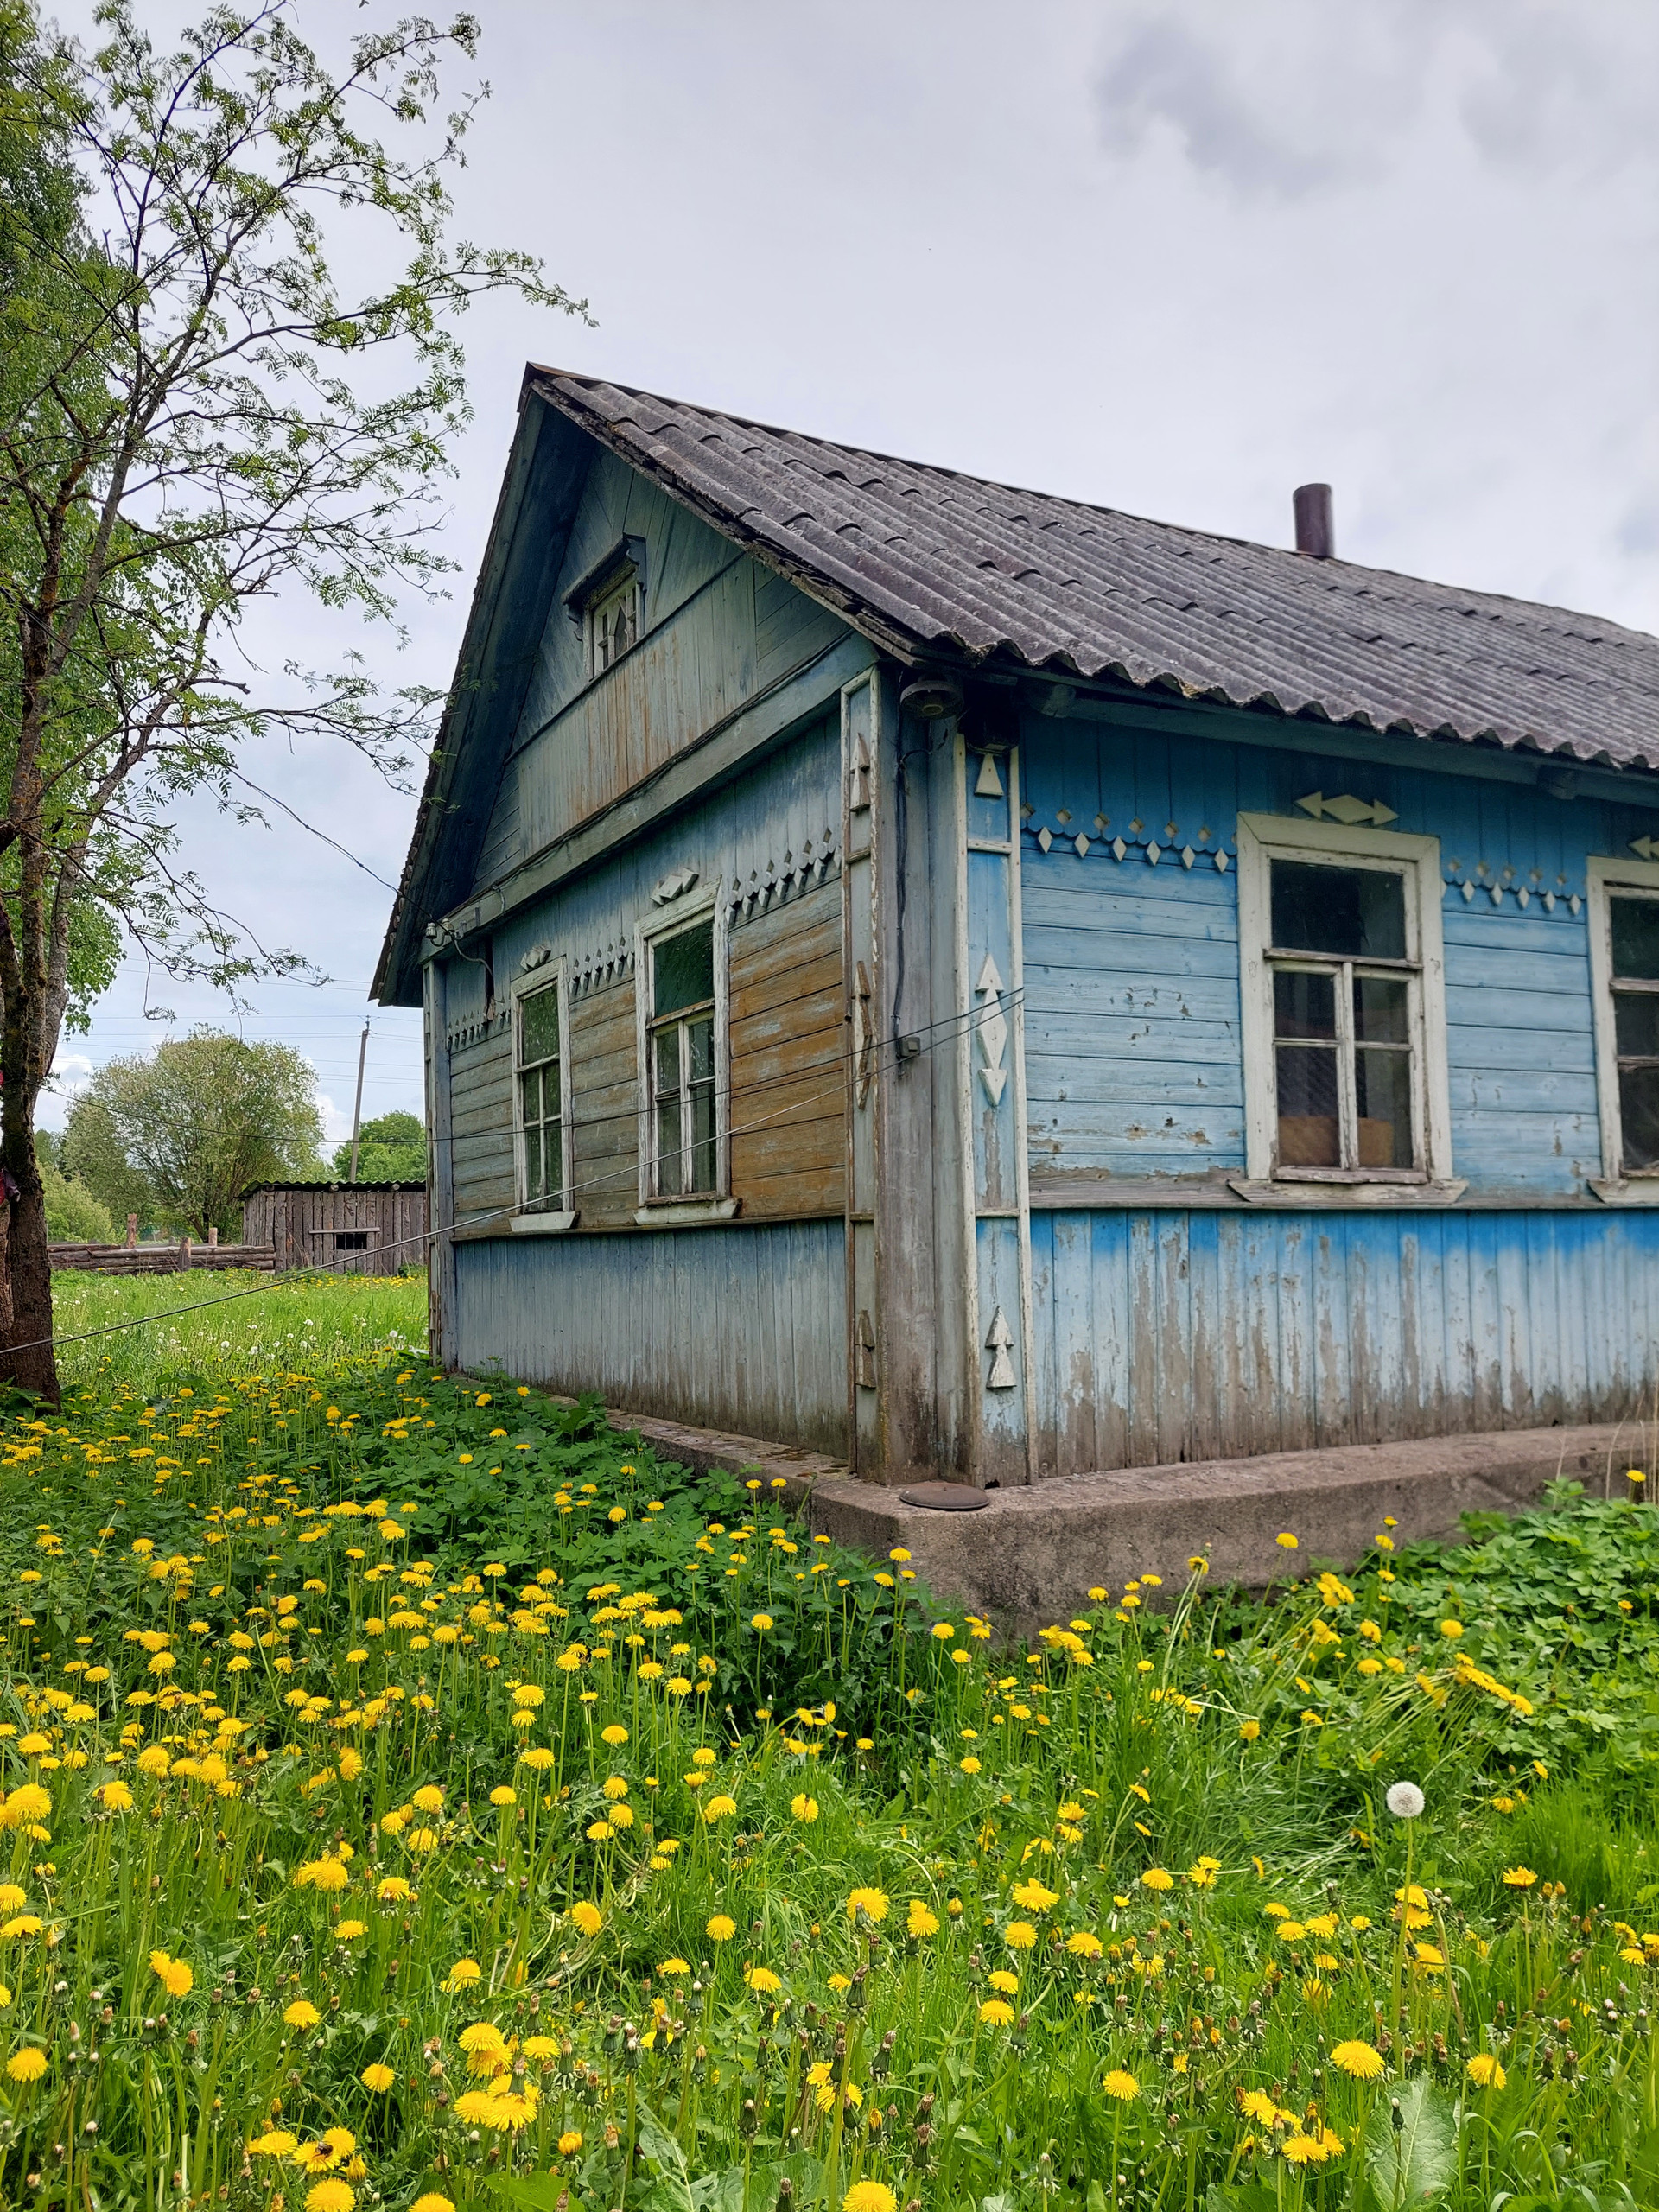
(541, 1098)
(681, 1048)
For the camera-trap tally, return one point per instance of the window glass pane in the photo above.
(1309, 1134)
(552, 1162)
(703, 1136)
(530, 1088)
(667, 1149)
(1638, 1115)
(702, 1034)
(538, 1029)
(533, 1188)
(683, 970)
(1354, 912)
(1304, 1006)
(668, 1061)
(1636, 936)
(1381, 1004)
(1635, 1023)
(1383, 1095)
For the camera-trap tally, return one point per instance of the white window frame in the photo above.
(530, 1219)
(1263, 838)
(1604, 875)
(708, 904)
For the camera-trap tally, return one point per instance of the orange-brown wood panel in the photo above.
(788, 1071)
(604, 1107)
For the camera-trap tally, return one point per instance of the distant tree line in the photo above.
(177, 1136)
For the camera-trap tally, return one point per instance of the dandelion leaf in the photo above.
(672, 2190)
(1239, 2196)
(1416, 2161)
(531, 2193)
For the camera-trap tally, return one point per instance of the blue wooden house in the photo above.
(972, 981)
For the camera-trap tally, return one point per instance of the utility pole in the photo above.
(357, 1109)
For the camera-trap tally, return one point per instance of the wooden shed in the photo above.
(973, 982)
(360, 1229)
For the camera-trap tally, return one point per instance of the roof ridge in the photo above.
(1334, 565)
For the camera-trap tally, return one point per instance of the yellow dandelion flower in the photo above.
(1122, 2086)
(1485, 2072)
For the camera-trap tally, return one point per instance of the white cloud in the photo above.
(1288, 99)
(70, 1073)
(336, 1123)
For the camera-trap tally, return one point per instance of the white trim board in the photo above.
(1604, 874)
(1263, 838)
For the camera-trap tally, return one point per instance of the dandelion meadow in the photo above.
(414, 1797)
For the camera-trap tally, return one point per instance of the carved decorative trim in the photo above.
(479, 1032)
(674, 886)
(1347, 810)
(591, 971)
(798, 873)
(1132, 840)
(1488, 884)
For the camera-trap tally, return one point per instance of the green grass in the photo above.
(314, 1323)
(420, 1762)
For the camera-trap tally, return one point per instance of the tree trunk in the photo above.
(27, 1355)
(33, 1365)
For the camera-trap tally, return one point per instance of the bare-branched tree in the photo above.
(195, 414)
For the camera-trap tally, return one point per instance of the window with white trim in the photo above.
(1624, 918)
(682, 1064)
(540, 1105)
(1344, 1047)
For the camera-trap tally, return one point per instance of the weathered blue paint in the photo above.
(735, 1328)
(789, 800)
(1181, 1334)
(1150, 1313)
(1132, 992)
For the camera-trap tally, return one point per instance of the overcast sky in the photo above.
(1176, 258)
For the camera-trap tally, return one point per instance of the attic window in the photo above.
(607, 603)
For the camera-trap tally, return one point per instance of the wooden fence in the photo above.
(159, 1259)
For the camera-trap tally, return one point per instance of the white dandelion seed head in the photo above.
(1404, 1801)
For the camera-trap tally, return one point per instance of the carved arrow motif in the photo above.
(1347, 809)
(993, 1028)
(998, 1344)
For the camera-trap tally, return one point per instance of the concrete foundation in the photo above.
(1034, 1553)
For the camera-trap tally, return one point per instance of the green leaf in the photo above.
(721, 2192)
(1239, 2196)
(1415, 2162)
(664, 2152)
(534, 2192)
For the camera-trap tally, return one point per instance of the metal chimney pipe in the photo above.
(1316, 534)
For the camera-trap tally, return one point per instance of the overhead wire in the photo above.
(287, 1277)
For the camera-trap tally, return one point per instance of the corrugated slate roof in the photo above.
(925, 559)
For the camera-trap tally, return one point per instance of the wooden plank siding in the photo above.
(605, 1107)
(480, 1133)
(1169, 1335)
(1132, 1016)
(300, 1222)
(788, 1081)
(739, 1328)
(720, 630)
